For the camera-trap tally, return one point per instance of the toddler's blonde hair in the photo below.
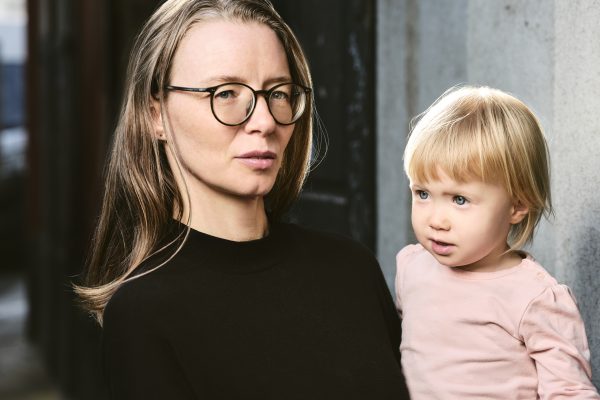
(488, 135)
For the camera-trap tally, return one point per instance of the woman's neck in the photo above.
(228, 217)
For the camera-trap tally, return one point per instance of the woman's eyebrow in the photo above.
(234, 78)
(279, 79)
(225, 79)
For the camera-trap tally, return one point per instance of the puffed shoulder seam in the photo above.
(557, 286)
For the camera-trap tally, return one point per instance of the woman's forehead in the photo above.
(214, 49)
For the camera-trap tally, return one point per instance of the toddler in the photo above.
(482, 319)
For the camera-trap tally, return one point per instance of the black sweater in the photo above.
(295, 315)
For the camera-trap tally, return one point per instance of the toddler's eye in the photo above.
(460, 200)
(423, 195)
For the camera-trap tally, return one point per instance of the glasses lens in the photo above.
(232, 103)
(287, 103)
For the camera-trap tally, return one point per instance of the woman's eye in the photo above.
(460, 200)
(423, 195)
(225, 94)
(279, 95)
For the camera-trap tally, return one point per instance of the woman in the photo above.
(201, 291)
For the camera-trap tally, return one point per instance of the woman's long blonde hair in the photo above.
(140, 193)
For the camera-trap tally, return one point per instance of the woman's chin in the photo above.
(253, 192)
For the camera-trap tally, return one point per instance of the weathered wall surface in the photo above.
(414, 67)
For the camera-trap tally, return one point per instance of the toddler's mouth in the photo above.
(441, 248)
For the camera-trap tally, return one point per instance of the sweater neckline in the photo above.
(231, 256)
(486, 275)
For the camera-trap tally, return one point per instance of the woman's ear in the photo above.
(157, 123)
(518, 212)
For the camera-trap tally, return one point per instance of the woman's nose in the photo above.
(261, 120)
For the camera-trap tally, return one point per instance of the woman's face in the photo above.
(240, 161)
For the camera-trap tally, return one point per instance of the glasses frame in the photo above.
(266, 93)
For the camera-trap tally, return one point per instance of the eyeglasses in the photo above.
(233, 103)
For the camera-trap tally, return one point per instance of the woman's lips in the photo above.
(441, 248)
(260, 160)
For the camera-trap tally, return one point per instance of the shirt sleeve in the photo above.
(554, 335)
(138, 360)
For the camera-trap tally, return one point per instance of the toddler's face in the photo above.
(464, 225)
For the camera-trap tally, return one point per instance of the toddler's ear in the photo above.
(159, 130)
(518, 212)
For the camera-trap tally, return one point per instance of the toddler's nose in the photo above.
(438, 221)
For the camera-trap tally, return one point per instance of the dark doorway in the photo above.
(339, 40)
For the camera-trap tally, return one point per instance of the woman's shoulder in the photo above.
(331, 254)
(314, 239)
(128, 300)
(139, 300)
(126, 311)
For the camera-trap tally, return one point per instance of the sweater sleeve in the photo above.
(391, 319)
(387, 304)
(401, 263)
(138, 361)
(554, 335)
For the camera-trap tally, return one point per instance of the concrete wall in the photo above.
(575, 252)
(547, 54)
(419, 55)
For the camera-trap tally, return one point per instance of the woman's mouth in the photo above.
(259, 160)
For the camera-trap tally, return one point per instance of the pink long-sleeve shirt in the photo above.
(510, 334)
